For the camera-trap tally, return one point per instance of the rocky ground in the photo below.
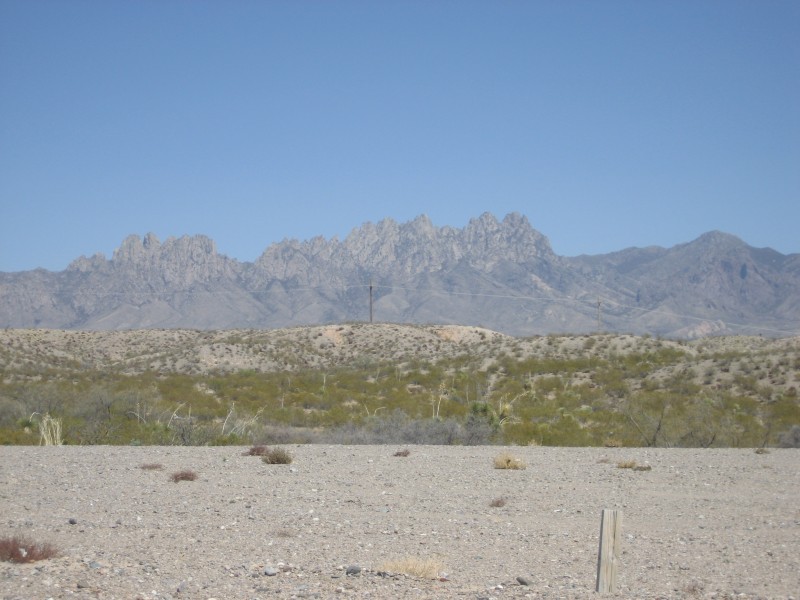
(697, 524)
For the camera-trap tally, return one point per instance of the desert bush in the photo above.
(50, 431)
(791, 438)
(424, 568)
(151, 466)
(498, 502)
(20, 549)
(506, 460)
(404, 452)
(626, 464)
(277, 456)
(184, 475)
(259, 450)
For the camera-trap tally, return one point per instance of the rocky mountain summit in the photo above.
(502, 275)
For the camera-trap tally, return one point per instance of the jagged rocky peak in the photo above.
(85, 264)
(513, 239)
(134, 248)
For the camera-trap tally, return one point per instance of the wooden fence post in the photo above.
(610, 534)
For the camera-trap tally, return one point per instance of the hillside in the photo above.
(347, 382)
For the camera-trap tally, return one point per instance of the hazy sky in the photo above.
(608, 124)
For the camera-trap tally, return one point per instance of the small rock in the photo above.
(523, 581)
(82, 585)
(270, 571)
(353, 570)
(73, 521)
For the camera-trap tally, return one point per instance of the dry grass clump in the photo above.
(185, 475)
(498, 502)
(642, 468)
(151, 467)
(277, 456)
(404, 452)
(626, 464)
(506, 460)
(256, 451)
(424, 568)
(612, 443)
(20, 549)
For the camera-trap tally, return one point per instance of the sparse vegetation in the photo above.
(256, 451)
(20, 549)
(340, 384)
(506, 460)
(791, 438)
(151, 466)
(424, 568)
(627, 464)
(498, 502)
(404, 452)
(184, 475)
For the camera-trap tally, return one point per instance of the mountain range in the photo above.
(499, 274)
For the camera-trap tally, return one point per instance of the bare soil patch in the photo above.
(699, 523)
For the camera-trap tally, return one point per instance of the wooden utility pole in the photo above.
(370, 300)
(608, 557)
(599, 320)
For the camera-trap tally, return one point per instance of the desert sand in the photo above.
(698, 524)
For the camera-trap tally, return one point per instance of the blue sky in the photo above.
(608, 124)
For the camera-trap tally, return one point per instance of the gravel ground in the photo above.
(699, 524)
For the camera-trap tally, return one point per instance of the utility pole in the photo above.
(599, 304)
(370, 299)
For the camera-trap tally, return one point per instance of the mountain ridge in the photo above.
(501, 274)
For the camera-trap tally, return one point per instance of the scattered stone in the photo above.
(82, 585)
(73, 521)
(523, 581)
(353, 570)
(270, 571)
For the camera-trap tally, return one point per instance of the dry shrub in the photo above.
(20, 549)
(424, 568)
(185, 475)
(626, 464)
(256, 451)
(405, 452)
(612, 443)
(762, 451)
(642, 468)
(277, 456)
(498, 502)
(285, 533)
(50, 431)
(151, 467)
(694, 588)
(506, 460)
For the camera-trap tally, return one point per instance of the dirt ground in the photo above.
(697, 524)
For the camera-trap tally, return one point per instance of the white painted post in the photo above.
(608, 557)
